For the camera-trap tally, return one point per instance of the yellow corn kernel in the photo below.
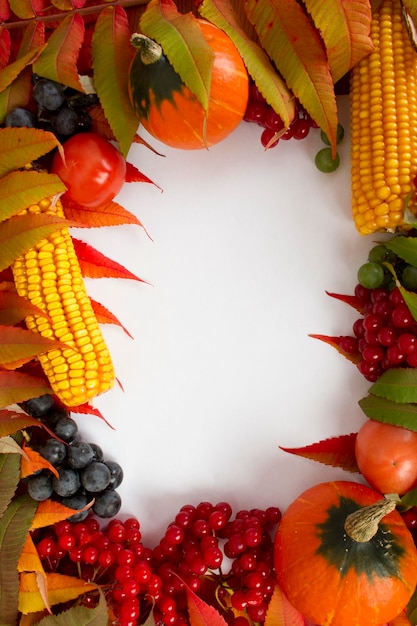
(50, 275)
(383, 124)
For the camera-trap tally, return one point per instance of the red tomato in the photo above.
(93, 170)
(387, 456)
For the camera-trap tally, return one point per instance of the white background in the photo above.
(221, 370)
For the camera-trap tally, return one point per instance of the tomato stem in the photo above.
(362, 525)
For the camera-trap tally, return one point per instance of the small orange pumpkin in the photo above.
(330, 567)
(170, 112)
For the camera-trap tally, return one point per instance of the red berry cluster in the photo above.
(385, 336)
(194, 550)
(258, 111)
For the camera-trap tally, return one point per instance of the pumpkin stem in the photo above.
(150, 51)
(362, 525)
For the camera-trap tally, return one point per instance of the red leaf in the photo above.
(18, 346)
(281, 613)
(87, 409)
(335, 343)
(133, 175)
(201, 613)
(4, 10)
(6, 275)
(14, 308)
(110, 215)
(5, 45)
(18, 387)
(94, 264)
(336, 451)
(104, 316)
(138, 139)
(34, 462)
(12, 421)
(352, 301)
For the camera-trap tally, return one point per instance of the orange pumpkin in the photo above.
(170, 112)
(330, 567)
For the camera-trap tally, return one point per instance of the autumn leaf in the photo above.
(34, 462)
(133, 175)
(29, 560)
(268, 81)
(111, 64)
(94, 264)
(183, 43)
(201, 613)
(79, 615)
(14, 308)
(8, 445)
(50, 512)
(352, 301)
(335, 343)
(280, 612)
(291, 41)
(4, 11)
(18, 387)
(12, 421)
(14, 526)
(104, 316)
(21, 232)
(88, 409)
(110, 215)
(5, 45)
(336, 451)
(18, 345)
(22, 8)
(20, 146)
(345, 30)
(60, 588)
(9, 479)
(18, 190)
(9, 73)
(58, 61)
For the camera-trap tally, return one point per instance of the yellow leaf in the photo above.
(29, 560)
(59, 588)
(49, 512)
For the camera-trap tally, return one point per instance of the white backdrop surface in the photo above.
(221, 371)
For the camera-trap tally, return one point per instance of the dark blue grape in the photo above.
(40, 486)
(65, 122)
(53, 451)
(66, 428)
(116, 473)
(48, 94)
(98, 452)
(37, 407)
(68, 482)
(77, 501)
(107, 504)
(95, 477)
(19, 117)
(80, 454)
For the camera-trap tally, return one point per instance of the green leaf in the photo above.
(9, 479)
(9, 73)
(58, 61)
(8, 445)
(18, 190)
(397, 384)
(404, 247)
(390, 412)
(268, 81)
(184, 45)
(345, 29)
(20, 233)
(294, 45)
(14, 526)
(18, 387)
(20, 146)
(111, 64)
(408, 500)
(22, 8)
(79, 615)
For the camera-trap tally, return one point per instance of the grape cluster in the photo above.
(57, 108)
(258, 111)
(83, 473)
(234, 558)
(385, 335)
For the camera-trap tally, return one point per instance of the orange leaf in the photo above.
(94, 264)
(336, 451)
(18, 346)
(88, 409)
(335, 343)
(34, 462)
(59, 59)
(281, 613)
(104, 316)
(60, 588)
(50, 512)
(201, 613)
(110, 215)
(29, 560)
(14, 308)
(133, 175)
(18, 387)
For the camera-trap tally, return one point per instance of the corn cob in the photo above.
(383, 101)
(49, 275)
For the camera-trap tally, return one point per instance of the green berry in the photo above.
(340, 133)
(409, 277)
(371, 275)
(325, 162)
